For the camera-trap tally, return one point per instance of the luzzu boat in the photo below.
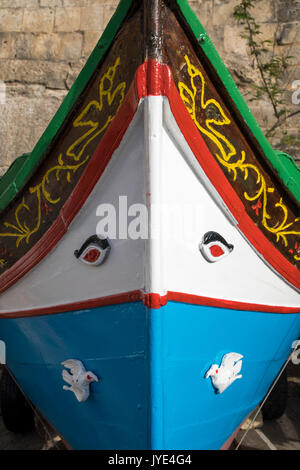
(150, 341)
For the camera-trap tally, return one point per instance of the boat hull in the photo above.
(151, 169)
(151, 364)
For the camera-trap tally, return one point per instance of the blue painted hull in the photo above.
(189, 414)
(151, 363)
(112, 342)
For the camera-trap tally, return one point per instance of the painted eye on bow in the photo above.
(94, 251)
(214, 247)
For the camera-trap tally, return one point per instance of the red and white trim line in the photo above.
(154, 301)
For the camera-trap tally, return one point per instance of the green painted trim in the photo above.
(15, 168)
(9, 191)
(289, 173)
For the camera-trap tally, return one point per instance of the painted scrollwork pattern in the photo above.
(211, 125)
(94, 120)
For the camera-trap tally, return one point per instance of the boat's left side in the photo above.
(58, 302)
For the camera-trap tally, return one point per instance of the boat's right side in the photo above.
(226, 311)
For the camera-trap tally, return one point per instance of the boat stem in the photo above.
(153, 29)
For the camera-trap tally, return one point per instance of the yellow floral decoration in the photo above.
(227, 154)
(108, 96)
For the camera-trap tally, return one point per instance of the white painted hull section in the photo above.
(153, 166)
(60, 278)
(242, 276)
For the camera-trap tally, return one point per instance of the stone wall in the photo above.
(45, 43)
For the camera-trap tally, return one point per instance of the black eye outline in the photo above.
(102, 243)
(210, 237)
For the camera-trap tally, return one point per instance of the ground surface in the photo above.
(283, 434)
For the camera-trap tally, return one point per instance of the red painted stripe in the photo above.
(228, 304)
(151, 79)
(153, 300)
(115, 299)
(156, 301)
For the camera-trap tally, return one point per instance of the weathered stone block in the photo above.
(216, 34)
(223, 12)
(7, 45)
(267, 117)
(24, 45)
(49, 74)
(92, 18)
(264, 11)
(74, 71)
(67, 19)
(294, 52)
(19, 135)
(288, 34)
(71, 46)
(40, 46)
(243, 73)
(91, 38)
(19, 3)
(294, 121)
(268, 33)
(50, 47)
(38, 20)
(10, 19)
(288, 10)
(233, 43)
(204, 11)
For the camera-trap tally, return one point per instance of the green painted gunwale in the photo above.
(15, 168)
(283, 165)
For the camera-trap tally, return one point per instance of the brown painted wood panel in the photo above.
(263, 197)
(38, 206)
